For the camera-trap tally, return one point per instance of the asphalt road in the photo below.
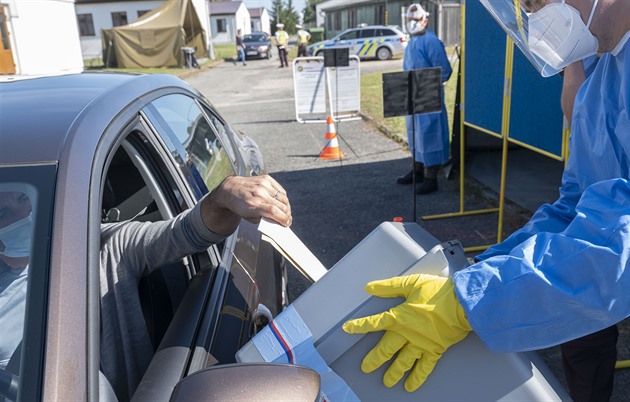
(335, 204)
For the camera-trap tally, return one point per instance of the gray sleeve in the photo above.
(148, 245)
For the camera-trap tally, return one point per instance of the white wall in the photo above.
(264, 24)
(241, 20)
(91, 46)
(230, 29)
(44, 36)
(201, 7)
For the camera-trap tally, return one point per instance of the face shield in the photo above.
(416, 19)
(514, 20)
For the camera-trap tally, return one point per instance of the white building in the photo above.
(226, 18)
(94, 15)
(39, 37)
(260, 19)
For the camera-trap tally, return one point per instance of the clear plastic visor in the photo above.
(513, 17)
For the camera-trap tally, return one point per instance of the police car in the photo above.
(382, 42)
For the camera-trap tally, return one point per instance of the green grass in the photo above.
(372, 102)
(224, 51)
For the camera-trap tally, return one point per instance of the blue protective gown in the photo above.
(431, 136)
(566, 273)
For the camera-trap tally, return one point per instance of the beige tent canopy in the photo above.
(156, 39)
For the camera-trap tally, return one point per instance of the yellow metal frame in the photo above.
(462, 211)
(504, 136)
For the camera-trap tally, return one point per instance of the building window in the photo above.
(352, 18)
(329, 23)
(337, 21)
(221, 25)
(142, 12)
(86, 24)
(379, 15)
(119, 18)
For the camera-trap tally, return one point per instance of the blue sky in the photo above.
(297, 4)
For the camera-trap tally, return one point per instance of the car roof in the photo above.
(37, 116)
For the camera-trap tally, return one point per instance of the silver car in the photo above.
(79, 150)
(382, 42)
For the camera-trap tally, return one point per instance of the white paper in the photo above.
(289, 245)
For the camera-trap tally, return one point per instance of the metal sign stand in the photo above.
(409, 93)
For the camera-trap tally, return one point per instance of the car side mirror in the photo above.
(250, 382)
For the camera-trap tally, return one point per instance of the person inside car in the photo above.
(15, 239)
(130, 249)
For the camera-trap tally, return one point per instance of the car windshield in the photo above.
(23, 215)
(254, 38)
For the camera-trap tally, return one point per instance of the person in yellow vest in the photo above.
(303, 37)
(282, 41)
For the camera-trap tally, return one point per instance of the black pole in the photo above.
(413, 163)
(411, 108)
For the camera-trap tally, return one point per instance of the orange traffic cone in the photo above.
(331, 151)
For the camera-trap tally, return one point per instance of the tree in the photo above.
(290, 17)
(284, 13)
(277, 9)
(310, 19)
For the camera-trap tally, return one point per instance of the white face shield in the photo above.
(416, 19)
(558, 35)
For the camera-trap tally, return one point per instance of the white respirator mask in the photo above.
(415, 27)
(558, 36)
(16, 238)
(416, 19)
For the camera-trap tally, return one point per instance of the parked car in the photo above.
(382, 42)
(100, 147)
(257, 45)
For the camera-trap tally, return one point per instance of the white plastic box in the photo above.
(309, 332)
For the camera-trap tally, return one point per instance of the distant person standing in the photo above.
(430, 137)
(303, 37)
(240, 49)
(282, 41)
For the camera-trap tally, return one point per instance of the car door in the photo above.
(369, 43)
(217, 311)
(349, 39)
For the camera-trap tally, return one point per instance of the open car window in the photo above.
(139, 186)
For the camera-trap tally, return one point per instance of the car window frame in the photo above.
(365, 31)
(159, 124)
(383, 32)
(349, 31)
(158, 148)
(43, 178)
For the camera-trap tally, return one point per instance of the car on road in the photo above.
(92, 148)
(257, 46)
(382, 42)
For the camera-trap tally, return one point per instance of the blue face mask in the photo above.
(16, 238)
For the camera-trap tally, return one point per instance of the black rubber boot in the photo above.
(418, 170)
(428, 186)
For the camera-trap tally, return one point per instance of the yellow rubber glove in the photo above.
(419, 329)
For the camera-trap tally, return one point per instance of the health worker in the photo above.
(566, 273)
(427, 136)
